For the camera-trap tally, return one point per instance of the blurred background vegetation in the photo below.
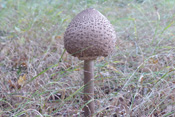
(37, 78)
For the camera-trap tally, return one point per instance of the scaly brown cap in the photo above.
(89, 35)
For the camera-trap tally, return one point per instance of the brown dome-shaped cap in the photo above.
(89, 35)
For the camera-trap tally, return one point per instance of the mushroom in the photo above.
(88, 36)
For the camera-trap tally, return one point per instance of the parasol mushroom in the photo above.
(88, 36)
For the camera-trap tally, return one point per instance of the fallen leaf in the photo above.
(153, 61)
(11, 85)
(22, 80)
(58, 37)
(23, 66)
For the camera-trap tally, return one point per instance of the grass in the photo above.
(38, 78)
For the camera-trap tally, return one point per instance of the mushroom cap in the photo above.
(89, 35)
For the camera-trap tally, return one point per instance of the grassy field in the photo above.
(39, 79)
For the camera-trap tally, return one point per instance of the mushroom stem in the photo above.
(89, 88)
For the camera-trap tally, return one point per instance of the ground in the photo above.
(39, 78)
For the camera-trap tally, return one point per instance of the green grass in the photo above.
(136, 80)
